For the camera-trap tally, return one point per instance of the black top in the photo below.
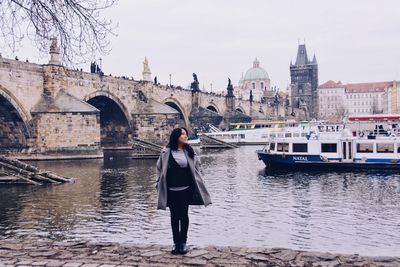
(177, 176)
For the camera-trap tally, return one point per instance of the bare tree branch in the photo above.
(82, 31)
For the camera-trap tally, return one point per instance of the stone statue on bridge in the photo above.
(54, 52)
(146, 70)
(230, 88)
(195, 84)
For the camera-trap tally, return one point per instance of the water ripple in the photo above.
(115, 200)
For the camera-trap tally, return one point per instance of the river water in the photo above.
(115, 200)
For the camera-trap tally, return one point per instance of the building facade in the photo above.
(331, 97)
(304, 83)
(337, 100)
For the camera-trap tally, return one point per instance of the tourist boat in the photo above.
(253, 133)
(332, 146)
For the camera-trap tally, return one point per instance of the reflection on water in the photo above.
(115, 200)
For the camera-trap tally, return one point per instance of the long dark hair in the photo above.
(173, 141)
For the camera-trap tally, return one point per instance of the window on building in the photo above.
(300, 147)
(385, 148)
(262, 85)
(365, 148)
(254, 85)
(329, 148)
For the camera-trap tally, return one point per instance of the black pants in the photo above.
(178, 202)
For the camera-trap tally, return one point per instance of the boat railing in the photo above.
(377, 133)
(213, 129)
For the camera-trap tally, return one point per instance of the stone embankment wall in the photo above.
(84, 254)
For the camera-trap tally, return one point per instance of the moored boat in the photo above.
(254, 133)
(338, 148)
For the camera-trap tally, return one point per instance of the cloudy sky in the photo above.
(354, 41)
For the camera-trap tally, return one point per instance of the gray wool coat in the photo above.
(200, 196)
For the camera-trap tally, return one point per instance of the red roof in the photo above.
(331, 84)
(358, 87)
(394, 117)
(367, 87)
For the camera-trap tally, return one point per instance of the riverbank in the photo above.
(88, 254)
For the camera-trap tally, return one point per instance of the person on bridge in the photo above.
(179, 185)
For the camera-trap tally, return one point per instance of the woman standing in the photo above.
(179, 185)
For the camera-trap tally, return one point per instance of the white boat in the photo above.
(254, 133)
(332, 146)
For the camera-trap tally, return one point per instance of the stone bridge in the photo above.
(51, 109)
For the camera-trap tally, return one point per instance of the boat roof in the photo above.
(376, 117)
(260, 123)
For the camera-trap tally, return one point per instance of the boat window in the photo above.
(385, 148)
(329, 148)
(280, 135)
(301, 147)
(296, 134)
(283, 147)
(242, 136)
(288, 134)
(365, 148)
(272, 147)
(398, 148)
(303, 134)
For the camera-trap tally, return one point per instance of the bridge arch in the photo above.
(115, 120)
(213, 107)
(14, 122)
(174, 103)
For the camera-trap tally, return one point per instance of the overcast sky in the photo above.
(353, 40)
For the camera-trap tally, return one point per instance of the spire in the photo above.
(256, 63)
(314, 60)
(302, 58)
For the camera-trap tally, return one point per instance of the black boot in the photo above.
(183, 249)
(176, 249)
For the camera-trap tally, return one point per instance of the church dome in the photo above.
(256, 72)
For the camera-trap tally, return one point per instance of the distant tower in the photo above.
(146, 71)
(304, 83)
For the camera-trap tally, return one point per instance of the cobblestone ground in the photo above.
(87, 254)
